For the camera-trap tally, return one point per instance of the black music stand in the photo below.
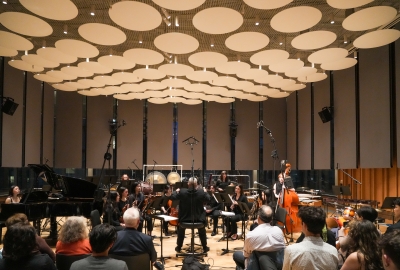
(229, 190)
(181, 185)
(246, 211)
(388, 203)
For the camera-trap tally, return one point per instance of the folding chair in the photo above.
(280, 216)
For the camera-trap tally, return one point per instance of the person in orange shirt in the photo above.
(73, 238)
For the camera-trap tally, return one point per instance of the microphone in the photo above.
(155, 162)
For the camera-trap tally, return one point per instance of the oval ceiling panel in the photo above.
(252, 74)
(77, 48)
(377, 38)
(175, 69)
(346, 4)
(179, 4)
(25, 24)
(22, 65)
(296, 19)
(116, 62)
(269, 57)
(47, 78)
(133, 87)
(268, 79)
(53, 54)
(63, 87)
(340, 64)
(14, 41)
(110, 35)
(270, 4)
(247, 41)
(286, 65)
(126, 77)
(232, 67)
(108, 80)
(316, 77)
(61, 75)
(197, 87)
(153, 85)
(313, 40)
(35, 59)
(223, 81)
(369, 18)
(143, 56)
(327, 55)
(201, 76)
(95, 67)
(8, 52)
(60, 10)
(240, 85)
(176, 43)
(217, 20)
(77, 71)
(173, 82)
(91, 83)
(294, 87)
(304, 71)
(148, 73)
(207, 59)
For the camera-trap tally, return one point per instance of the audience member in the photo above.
(20, 244)
(265, 238)
(73, 237)
(312, 252)
(101, 238)
(111, 214)
(396, 212)
(390, 247)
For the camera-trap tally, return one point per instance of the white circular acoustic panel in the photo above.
(174, 99)
(91, 83)
(75, 85)
(61, 75)
(346, 4)
(232, 93)
(340, 64)
(174, 92)
(232, 67)
(63, 87)
(286, 65)
(294, 87)
(101, 91)
(116, 62)
(148, 73)
(133, 87)
(207, 59)
(77, 48)
(217, 20)
(53, 54)
(107, 80)
(77, 71)
(210, 98)
(279, 95)
(193, 95)
(47, 78)
(257, 98)
(240, 85)
(116, 89)
(269, 57)
(223, 81)
(248, 96)
(156, 93)
(327, 55)
(267, 91)
(197, 87)
(110, 35)
(176, 43)
(247, 41)
(192, 101)
(126, 77)
(201, 76)
(60, 10)
(143, 56)
(270, 4)
(8, 52)
(88, 93)
(255, 89)
(14, 41)
(252, 74)
(296, 19)
(268, 79)
(369, 18)
(95, 67)
(122, 97)
(377, 38)
(313, 40)
(316, 77)
(22, 65)
(216, 91)
(179, 4)
(158, 101)
(25, 24)
(224, 100)
(174, 82)
(35, 59)
(151, 85)
(282, 83)
(135, 15)
(175, 69)
(304, 71)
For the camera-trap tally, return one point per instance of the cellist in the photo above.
(166, 204)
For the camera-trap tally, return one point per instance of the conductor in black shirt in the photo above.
(191, 209)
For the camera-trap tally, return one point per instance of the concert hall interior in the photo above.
(164, 90)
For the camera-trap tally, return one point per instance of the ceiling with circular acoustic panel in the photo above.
(296, 19)
(257, 98)
(279, 95)
(47, 78)
(25, 24)
(269, 57)
(247, 41)
(313, 40)
(255, 89)
(101, 91)
(110, 35)
(122, 97)
(193, 95)
(176, 43)
(75, 85)
(268, 79)
(232, 93)
(304, 71)
(116, 62)
(210, 98)
(197, 87)
(60, 10)
(294, 87)
(327, 55)
(267, 91)
(172, 92)
(174, 99)
(126, 77)
(316, 77)
(135, 15)
(174, 82)
(133, 87)
(339, 64)
(91, 83)
(207, 59)
(345, 4)
(223, 81)
(224, 100)
(61, 75)
(63, 87)
(175, 69)
(152, 85)
(95, 67)
(107, 80)
(77, 71)
(201, 75)
(377, 38)
(252, 74)
(240, 85)
(232, 67)
(282, 83)
(156, 93)
(14, 41)
(192, 101)
(35, 59)
(157, 101)
(77, 48)
(22, 65)
(149, 73)
(116, 89)
(216, 90)
(143, 56)
(53, 54)
(7, 52)
(217, 20)
(88, 93)
(369, 18)
(270, 4)
(179, 4)
(286, 65)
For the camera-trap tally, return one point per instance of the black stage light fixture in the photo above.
(9, 106)
(325, 114)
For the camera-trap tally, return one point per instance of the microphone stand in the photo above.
(356, 181)
(138, 168)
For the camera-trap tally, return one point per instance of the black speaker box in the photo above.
(325, 115)
(9, 107)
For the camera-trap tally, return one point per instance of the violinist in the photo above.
(166, 204)
(213, 209)
(111, 213)
(124, 177)
(123, 200)
(222, 182)
(231, 225)
(137, 198)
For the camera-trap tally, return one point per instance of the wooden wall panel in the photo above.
(130, 137)
(304, 140)
(33, 115)
(291, 130)
(397, 85)
(247, 135)
(48, 125)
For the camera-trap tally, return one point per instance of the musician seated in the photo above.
(101, 238)
(396, 212)
(222, 182)
(13, 195)
(213, 209)
(20, 244)
(124, 177)
(137, 198)
(231, 225)
(111, 214)
(73, 237)
(123, 199)
(390, 246)
(166, 204)
(42, 245)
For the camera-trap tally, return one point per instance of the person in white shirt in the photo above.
(312, 252)
(265, 238)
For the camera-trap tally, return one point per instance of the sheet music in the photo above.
(167, 218)
(224, 213)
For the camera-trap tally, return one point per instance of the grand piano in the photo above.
(73, 197)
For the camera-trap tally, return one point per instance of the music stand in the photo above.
(181, 185)
(229, 189)
(246, 211)
(346, 191)
(159, 187)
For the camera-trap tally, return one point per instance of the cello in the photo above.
(290, 201)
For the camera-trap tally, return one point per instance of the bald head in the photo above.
(265, 214)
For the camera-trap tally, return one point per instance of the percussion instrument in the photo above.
(349, 212)
(173, 177)
(156, 178)
(332, 223)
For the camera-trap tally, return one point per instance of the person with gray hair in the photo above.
(73, 238)
(265, 239)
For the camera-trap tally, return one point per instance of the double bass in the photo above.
(290, 201)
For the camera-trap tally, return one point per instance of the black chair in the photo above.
(63, 261)
(95, 218)
(268, 260)
(280, 216)
(141, 261)
(191, 226)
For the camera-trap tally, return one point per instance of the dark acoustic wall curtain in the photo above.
(397, 85)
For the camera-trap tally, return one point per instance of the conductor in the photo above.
(191, 209)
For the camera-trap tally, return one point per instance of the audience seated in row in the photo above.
(73, 237)
(389, 244)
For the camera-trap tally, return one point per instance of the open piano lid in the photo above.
(69, 186)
